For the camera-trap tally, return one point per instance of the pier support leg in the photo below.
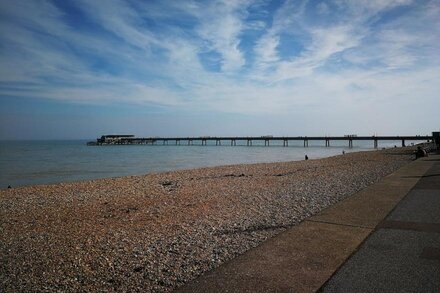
(350, 143)
(375, 144)
(403, 143)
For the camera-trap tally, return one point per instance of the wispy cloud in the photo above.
(245, 57)
(220, 25)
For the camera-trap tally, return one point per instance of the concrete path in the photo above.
(403, 253)
(362, 244)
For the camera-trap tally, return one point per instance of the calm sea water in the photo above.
(41, 162)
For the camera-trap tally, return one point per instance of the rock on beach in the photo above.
(153, 233)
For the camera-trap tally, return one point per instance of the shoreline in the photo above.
(155, 232)
(178, 170)
(30, 170)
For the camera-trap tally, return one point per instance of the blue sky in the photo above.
(80, 69)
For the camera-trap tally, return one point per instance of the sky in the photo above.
(80, 69)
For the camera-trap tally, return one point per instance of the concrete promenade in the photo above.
(385, 238)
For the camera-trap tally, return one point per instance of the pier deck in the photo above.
(232, 140)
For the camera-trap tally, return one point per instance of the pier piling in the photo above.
(203, 140)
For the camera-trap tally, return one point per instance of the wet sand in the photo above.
(155, 232)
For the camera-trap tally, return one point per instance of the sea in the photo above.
(24, 163)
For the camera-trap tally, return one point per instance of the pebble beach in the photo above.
(153, 233)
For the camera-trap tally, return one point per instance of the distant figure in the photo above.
(306, 157)
(420, 152)
(395, 146)
(343, 152)
(9, 187)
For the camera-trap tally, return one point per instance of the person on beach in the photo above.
(420, 153)
(343, 152)
(306, 157)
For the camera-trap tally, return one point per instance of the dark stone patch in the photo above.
(234, 175)
(130, 209)
(169, 185)
(431, 253)
(413, 226)
(284, 174)
(138, 269)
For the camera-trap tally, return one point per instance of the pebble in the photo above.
(153, 233)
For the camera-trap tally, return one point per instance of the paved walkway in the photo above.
(384, 238)
(403, 253)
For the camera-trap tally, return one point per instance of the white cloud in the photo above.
(119, 18)
(266, 49)
(221, 23)
(361, 10)
(325, 43)
(387, 64)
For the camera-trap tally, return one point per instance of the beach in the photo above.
(155, 232)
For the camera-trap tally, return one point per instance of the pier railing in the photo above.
(232, 140)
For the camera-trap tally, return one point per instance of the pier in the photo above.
(249, 140)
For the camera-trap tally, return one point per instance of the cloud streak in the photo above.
(240, 57)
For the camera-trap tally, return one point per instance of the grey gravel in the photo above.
(153, 233)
